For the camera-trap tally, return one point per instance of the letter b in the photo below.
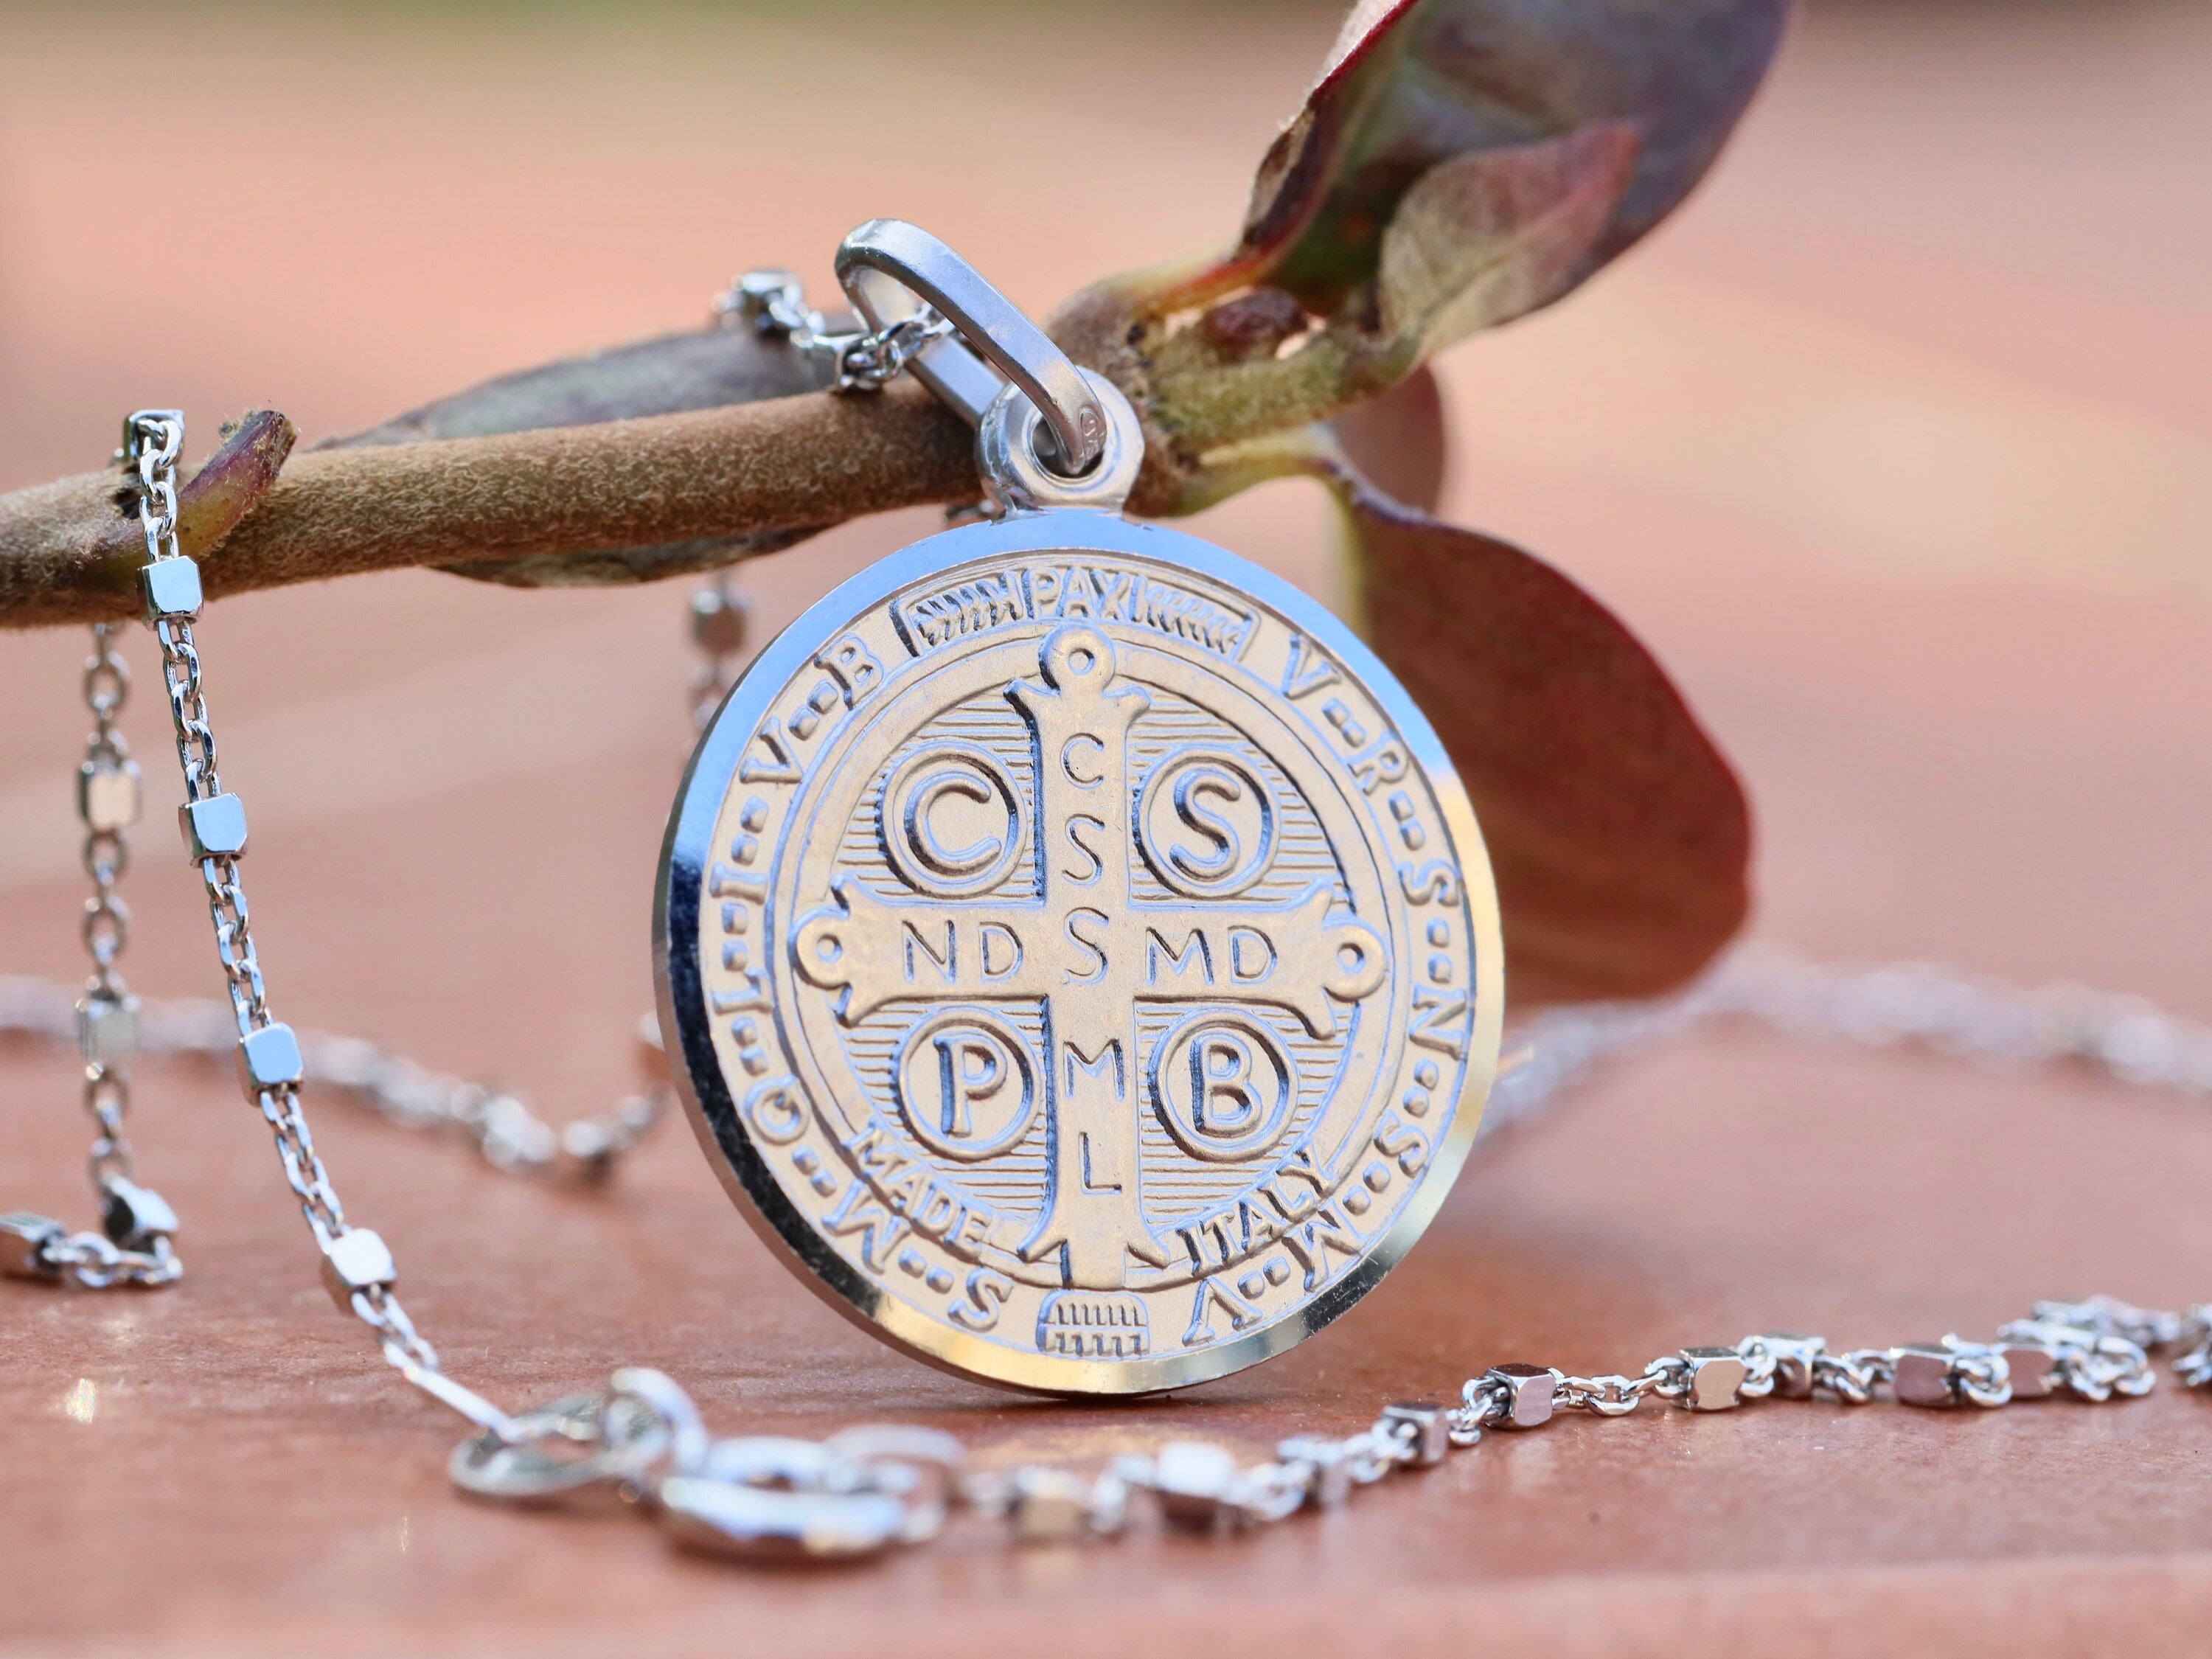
(1223, 1099)
(1224, 1087)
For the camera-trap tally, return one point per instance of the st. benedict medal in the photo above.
(1082, 958)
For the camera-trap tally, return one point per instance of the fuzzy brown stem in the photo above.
(68, 551)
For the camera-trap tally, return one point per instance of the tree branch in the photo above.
(770, 472)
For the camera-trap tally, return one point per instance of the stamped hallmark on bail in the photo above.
(1080, 967)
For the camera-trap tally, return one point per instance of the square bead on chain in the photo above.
(1717, 1378)
(171, 588)
(356, 1260)
(268, 1059)
(107, 795)
(214, 828)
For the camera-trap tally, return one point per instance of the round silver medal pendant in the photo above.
(1080, 958)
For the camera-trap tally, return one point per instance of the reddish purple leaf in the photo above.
(1620, 837)
(1398, 440)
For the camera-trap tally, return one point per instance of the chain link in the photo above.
(1606, 1396)
(773, 303)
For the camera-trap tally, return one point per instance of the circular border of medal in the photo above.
(688, 1029)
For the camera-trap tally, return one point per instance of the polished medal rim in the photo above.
(687, 1027)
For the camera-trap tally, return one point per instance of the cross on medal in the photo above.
(1089, 950)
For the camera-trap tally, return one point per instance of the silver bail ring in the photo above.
(891, 252)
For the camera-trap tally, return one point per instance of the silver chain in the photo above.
(499, 1124)
(2128, 1038)
(357, 1268)
(774, 302)
(133, 1247)
(869, 1487)
(719, 616)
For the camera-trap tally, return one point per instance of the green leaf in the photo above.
(1460, 163)
(1485, 238)
(1482, 238)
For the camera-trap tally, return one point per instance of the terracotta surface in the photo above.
(1896, 448)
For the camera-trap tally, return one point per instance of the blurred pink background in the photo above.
(1896, 445)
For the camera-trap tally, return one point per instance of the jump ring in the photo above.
(904, 256)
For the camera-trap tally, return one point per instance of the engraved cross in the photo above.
(1089, 950)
